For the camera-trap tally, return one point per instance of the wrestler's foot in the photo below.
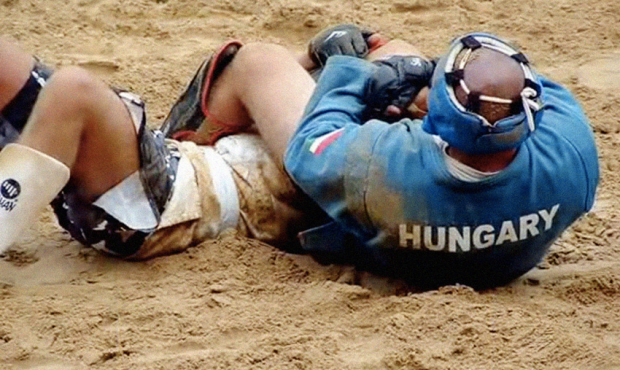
(190, 110)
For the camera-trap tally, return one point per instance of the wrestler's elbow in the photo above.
(292, 161)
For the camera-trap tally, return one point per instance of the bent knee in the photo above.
(260, 57)
(75, 86)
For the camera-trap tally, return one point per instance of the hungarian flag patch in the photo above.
(320, 143)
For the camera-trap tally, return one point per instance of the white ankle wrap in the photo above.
(29, 181)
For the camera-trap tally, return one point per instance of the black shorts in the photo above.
(14, 116)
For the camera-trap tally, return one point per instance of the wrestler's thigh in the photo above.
(264, 82)
(80, 121)
(394, 47)
(109, 150)
(15, 67)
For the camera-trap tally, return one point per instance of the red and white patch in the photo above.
(320, 143)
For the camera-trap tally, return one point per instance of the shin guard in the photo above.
(29, 180)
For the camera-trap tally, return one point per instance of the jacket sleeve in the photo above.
(564, 116)
(318, 157)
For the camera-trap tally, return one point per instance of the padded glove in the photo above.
(343, 39)
(396, 82)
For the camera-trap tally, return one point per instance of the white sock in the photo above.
(29, 181)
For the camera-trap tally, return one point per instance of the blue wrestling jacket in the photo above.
(397, 210)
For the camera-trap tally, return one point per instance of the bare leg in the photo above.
(79, 131)
(15, 67)
(81, 122)
(394, 47)
(266, 85)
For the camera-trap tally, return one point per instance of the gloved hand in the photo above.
(343, 39)
(395, 84)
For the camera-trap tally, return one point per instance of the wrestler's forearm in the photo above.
(316, 157)
(306, 62)
(418, 107)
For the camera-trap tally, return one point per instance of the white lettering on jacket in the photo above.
(458, 239)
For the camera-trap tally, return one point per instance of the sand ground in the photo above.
(235, 303)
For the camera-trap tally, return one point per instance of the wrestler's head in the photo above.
(483, 96)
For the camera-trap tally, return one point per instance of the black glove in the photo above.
(343, 39)
(397, 81)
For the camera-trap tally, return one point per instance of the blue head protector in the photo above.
(461, 126)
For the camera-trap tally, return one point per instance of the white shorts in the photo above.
(234, 184)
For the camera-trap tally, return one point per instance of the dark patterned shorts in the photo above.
(94, 227)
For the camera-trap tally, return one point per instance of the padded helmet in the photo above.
(461, 126)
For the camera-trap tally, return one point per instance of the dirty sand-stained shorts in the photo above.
(185, 194)
(237, 185)
(272, 208)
